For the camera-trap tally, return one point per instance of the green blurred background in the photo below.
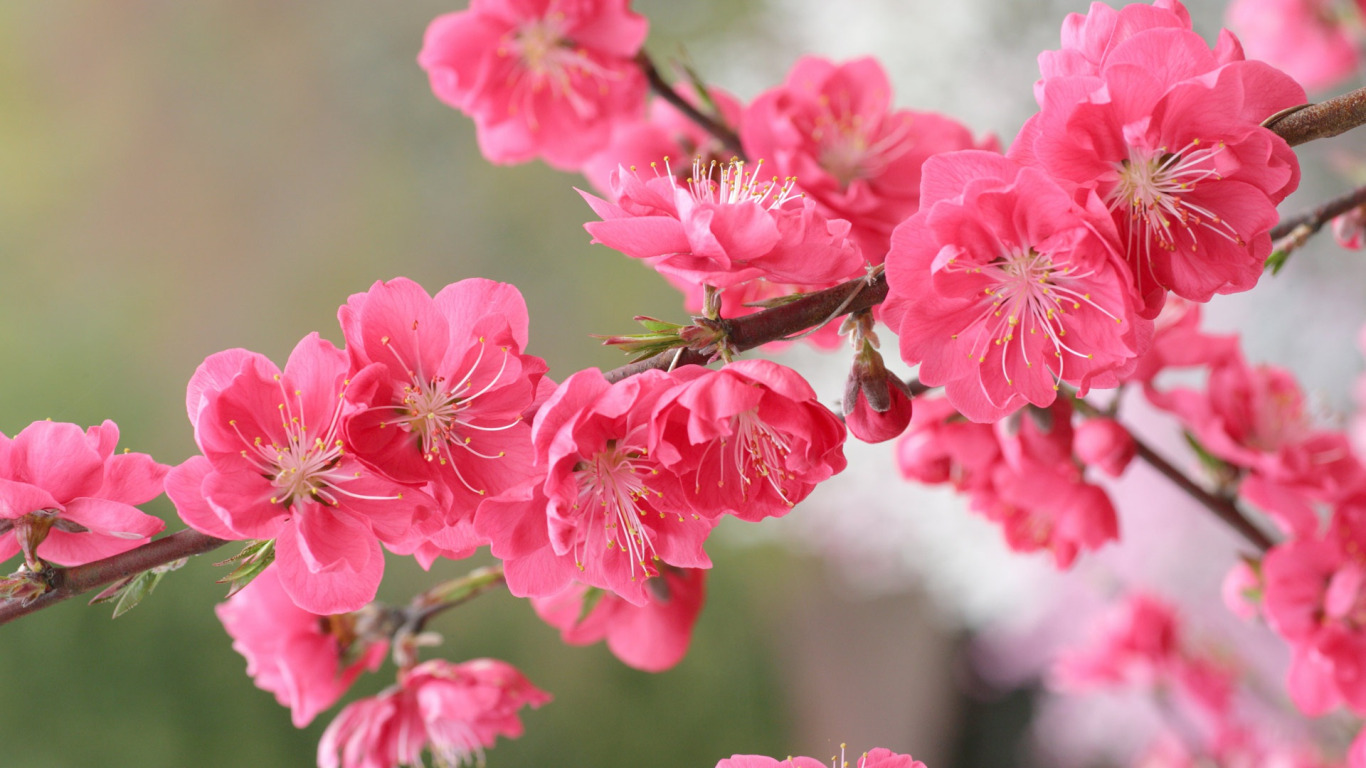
(180, 178)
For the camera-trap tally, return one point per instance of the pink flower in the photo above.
(452, 388)
(66, 497)
(1048, 507)
(759, 761)
(940, 446)
(652, 637)
(1003, 287)
(1315, 597)
(547, 78)
(1349, 229)
(873, 758)
(1137, 644)
(1169, 135)
(833, 129)
(1242, 590)
(750, 439)
(1311, 40)
(1106, 444)
(1178, 342)
(452, 711)
(275, 466)
(725, 226)
(295, 654)
(664, 134)
(1089, 40)
(606, 512)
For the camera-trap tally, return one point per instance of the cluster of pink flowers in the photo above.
(1025, 473)
(1142, 646)
(1145, 172)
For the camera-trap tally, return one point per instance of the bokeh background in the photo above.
(180, 178)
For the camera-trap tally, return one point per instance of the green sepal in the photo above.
(253, 559)
(1276, 261)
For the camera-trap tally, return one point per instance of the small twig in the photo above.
(666, 92)
(750, 331)
(69, 582)
(1320, 121)
(1313, 220)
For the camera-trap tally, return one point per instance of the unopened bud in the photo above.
(25, 585)
(1104, 443)
(877, 404)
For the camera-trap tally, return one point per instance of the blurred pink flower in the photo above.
(540, 78)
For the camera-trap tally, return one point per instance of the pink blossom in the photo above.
(1136, 643)
(452, 386)
(1178, 342)
(759, 761)
(1349, 229)
(545, 78)
(751, 439)
(68, 498)
(1047, 507)
(1169, 135)
(1315, 597)
(275, 466)
(725, 226)
(1313, 41)
(1106, 444)
(652, 637)
(1003, 287)
(1242, 590)
(1089, 40)
(940, 446)
(606, 512)
(832, 128)
(452, 711)
(295, 654)
(664, 134)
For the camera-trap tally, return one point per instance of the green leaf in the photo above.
(253, 559)
(138, 588)
(1276, 261)
(591, 598)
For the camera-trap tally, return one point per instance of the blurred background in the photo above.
(181, 178)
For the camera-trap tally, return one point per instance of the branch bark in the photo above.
(1321, 121)
(666, 92)
(1308, 223)
(69, 582)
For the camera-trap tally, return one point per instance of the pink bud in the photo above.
(1349, 228)
(1104, 443)
(877, 404)
(1242, 590)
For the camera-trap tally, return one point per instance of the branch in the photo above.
(750, 331)
(1320, 121)
(69, 582)
(708, 123)
(1223, 508)
(1305, 224)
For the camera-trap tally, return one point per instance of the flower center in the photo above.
(305, 467)
(1155, 188)
(540, 44)
(440, 413)
(729, 183)
(1027, 294)
(851, 147)
(614, 482)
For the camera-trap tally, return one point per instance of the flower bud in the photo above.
(877, 404)
(1104, 443)
(1349, 229)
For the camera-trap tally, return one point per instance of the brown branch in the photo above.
(69, 582)
(1305, 224)
(1320, 121)
(665, 91)
(1224, 508)
(750, 331)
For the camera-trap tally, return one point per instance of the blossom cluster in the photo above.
(1211, 716)
(1146, 172)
